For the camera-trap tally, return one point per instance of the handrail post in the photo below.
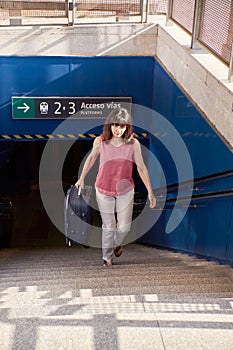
(71, 12)
(230, 71)
(169, 10)
(196, 23)
(144, 5)
(147, 10)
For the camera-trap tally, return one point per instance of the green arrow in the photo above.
(23, 107)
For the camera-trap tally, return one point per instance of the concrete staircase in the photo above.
(63, 298)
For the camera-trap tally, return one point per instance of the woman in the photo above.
(118, 150)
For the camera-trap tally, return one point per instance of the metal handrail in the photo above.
(163, 202)
(70, 8)
(196, 24)
(198, 180)
(208, 195)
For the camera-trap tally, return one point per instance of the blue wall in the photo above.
(207, 227)
(208, 153)
(70, 76)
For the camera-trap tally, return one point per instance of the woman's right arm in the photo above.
(89, 162)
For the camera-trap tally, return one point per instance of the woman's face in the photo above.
(118, 129)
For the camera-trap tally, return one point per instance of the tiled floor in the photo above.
(63, 298)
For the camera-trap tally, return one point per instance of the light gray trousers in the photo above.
(116, 214)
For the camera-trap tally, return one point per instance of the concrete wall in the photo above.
(200, 75)
(92, 40)
(197, 72)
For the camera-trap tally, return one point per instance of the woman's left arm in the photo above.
(143, 172)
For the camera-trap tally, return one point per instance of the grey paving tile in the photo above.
(151, 299)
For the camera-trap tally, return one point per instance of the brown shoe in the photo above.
(107, 263)
(118, 251)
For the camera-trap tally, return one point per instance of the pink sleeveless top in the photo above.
(114, 177)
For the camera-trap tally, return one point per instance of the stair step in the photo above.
(139, 270)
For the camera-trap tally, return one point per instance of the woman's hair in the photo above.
(118, 116)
